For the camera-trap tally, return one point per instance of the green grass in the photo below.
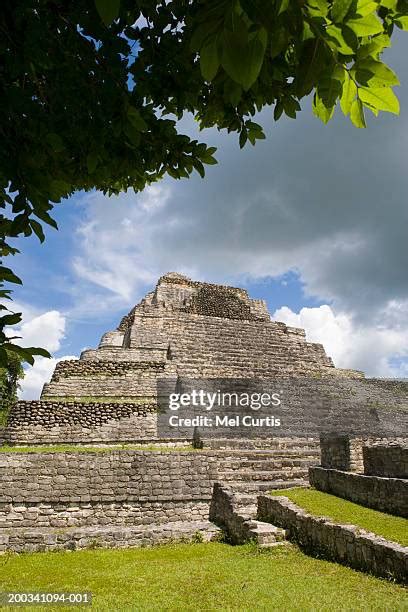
(202, 577)
(340, 510)
(62, 448)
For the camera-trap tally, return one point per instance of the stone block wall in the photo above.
(384, 494)
(343, 543)
(102, 379)
(386, 460)
(97, 488)
(342, 452)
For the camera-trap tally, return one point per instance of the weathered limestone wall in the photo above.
(342, 452)
(119, 487)
(386, 460)
(87, 379)
(384, 494)
(366, 455)
(344, 543)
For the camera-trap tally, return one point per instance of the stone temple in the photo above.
(161, 489)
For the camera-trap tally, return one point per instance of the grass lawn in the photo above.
(202, 577)
(72, 448)
(340, 510)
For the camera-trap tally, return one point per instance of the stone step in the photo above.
(107, 536)
(253, 475)
(260, 454)
(262, 444)
(270, 464)
(268, 485)
(267, 534)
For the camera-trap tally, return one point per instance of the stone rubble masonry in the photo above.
(346, 544)
(386, 460)
(384, 494)
(48, 422)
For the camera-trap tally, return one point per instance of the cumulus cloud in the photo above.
(46, 330)
(350, 344)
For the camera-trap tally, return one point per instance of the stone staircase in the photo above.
(245, 472)
(261, 465)
(236, 513)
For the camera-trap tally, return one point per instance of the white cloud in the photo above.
(35, 377)
(351, 345)
(46, 330)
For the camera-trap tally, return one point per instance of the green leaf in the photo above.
(320, 109)
(365, 26)
(389, 4)
(374, 73)
(242, 58)
(279, 42)
(329, 90)
(92, 161)
(348, 95)
(283, 6)
(8, 276)
(290, 106)
(209, 59)
(232, 92)
(243, 137)
(335, 33)
(55, 142)
(11, 319)
(37, 229)
(374, 47)
(26, 353)
(199, 167)
(340, 9)
(366, 7)
(357, 114)
(135, 119)
(44, 216)
(402, 22)
(108, 10)
(381, 98)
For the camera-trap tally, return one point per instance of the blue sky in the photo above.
(313, 219)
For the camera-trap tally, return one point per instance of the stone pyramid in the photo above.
(186, 329)
(191, 329)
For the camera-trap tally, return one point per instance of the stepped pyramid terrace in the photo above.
(128, 480)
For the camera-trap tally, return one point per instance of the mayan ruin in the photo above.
(185, 330)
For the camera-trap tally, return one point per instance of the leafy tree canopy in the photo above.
(9, 377)
(91, 91)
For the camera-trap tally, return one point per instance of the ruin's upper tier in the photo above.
(193, 329)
